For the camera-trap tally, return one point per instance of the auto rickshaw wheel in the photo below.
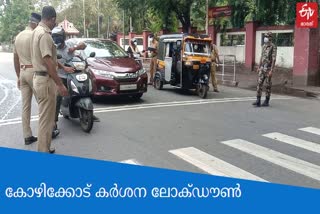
(202, 90)
(158, 84)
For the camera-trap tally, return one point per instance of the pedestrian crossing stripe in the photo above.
(212, 165)
(311, 130)
(294, 141)
(288, 162)
(218, 167)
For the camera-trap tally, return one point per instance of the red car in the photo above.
(113, 72)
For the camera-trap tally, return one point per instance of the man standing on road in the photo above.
(24, 70)
(214, 63)
(46, 79)
(265, 69)
(153, 51)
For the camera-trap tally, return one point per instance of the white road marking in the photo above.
(5, 89)
(288, 162)
(131, 161)
(11, 108)
(212, 165)
(162, 105)
(311, 130)
(294, 141)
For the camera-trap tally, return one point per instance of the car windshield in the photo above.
(197, 47)
(104, 49)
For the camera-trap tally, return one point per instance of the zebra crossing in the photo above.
(215, 166)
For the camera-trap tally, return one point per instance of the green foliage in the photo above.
(14, 18)
(266, 12)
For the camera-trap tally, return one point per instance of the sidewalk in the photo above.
(281, 82)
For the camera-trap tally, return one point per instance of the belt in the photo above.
(26, 66)
(41, 73)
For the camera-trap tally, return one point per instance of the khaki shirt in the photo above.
(154, 44)
(214, 54)
(42, 45)
(22, 46)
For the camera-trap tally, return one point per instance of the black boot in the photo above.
(266, 102)
(257, 102)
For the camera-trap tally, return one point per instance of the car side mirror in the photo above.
(59, 56)
(92, 54)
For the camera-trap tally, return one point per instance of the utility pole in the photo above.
(124, 36)
(98, 19)
(131, 24)
(84, 20)
(207, 17)
(108, 28)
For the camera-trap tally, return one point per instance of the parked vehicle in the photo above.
(184, 62)
(78, 103)
(113, 72)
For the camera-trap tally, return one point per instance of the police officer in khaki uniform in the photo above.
(24, 71)
(45, 80)
(214, 62)
(153, 52)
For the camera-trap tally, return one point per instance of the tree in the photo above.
(266, 12)
(14, 18)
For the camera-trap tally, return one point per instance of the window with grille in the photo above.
(232, 39)
(281, 39)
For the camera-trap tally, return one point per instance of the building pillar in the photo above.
(250, 45)
(213, 34)
(131, 35)
(306, 57)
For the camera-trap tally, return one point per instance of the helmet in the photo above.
(58, 35)
(269, 34)
(134, 41)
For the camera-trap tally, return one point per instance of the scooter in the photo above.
(78, 103)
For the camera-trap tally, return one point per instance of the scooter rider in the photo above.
(133, 48)
(66, 49)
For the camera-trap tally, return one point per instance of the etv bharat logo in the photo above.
(307, 15)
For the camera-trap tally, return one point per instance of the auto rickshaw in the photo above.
(184, 62)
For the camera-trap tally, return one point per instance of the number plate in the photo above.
(128, 87)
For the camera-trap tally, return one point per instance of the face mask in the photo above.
(266, 39)
(58, 41)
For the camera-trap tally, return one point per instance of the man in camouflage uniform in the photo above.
(265, 69)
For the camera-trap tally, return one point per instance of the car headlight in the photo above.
(103, 73)
(79, 65)
(141, 72)
(74, 87)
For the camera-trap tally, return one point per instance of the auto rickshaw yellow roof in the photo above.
(186, 36)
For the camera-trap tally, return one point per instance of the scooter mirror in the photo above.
(92, 54)
(178, 44)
